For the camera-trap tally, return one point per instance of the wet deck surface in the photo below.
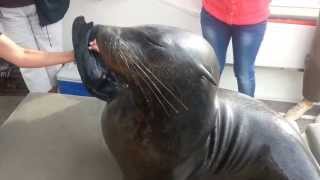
(62, 139)
(9, 103)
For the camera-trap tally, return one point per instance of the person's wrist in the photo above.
(71, 55)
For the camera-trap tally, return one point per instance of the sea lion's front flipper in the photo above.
(98, 79)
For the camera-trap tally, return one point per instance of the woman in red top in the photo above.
(243, 21)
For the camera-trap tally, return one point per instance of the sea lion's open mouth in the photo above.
(98, 79)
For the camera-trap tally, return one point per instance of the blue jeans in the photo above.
(246, 40)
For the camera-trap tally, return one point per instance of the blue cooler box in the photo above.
(69, 81)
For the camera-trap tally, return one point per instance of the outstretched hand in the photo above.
(94, 46)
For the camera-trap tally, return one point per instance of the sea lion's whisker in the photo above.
(144, 92)
(136, 80)
(121, 55)
(148, 81)
(157, 88)
(149, 85)
(125, 61)
(164, 86)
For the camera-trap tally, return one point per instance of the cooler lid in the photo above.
(69, 72)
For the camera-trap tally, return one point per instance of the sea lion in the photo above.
(166, 118)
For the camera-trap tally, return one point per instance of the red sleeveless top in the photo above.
(238, 12)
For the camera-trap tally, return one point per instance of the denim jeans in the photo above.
(246, 40)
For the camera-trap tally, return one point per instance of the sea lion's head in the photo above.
(159, 64)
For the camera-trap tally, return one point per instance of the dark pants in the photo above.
(311, 77)
(246, 40)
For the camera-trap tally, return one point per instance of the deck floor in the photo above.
(9, 103)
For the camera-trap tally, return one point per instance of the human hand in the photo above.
(94, 46)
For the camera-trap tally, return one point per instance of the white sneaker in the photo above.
(298, 110)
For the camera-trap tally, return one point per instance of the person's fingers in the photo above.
(93, 46)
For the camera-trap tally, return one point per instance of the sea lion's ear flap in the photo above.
(205, 73)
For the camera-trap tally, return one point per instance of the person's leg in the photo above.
(48, 38)
(311, 84)
(218, 34)
(17, 27)
(310, 87)
(246, 41)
